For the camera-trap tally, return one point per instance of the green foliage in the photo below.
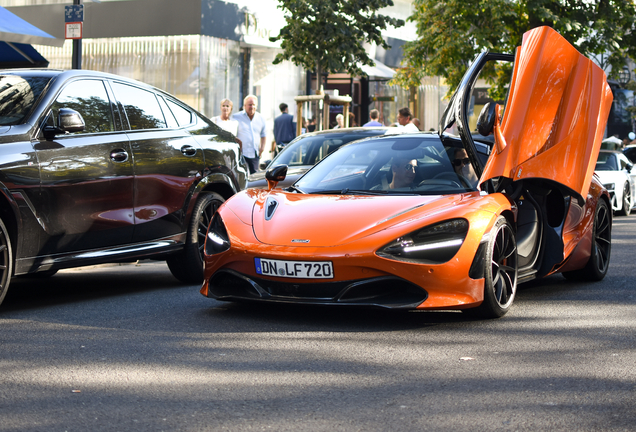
(327, 35)
(451, 33)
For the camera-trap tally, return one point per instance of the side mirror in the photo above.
(70, 120)
(486, 119)
(264, 164)
(275, 175)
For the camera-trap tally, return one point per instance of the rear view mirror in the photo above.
(275, 175)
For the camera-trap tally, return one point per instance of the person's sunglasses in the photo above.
(460, 162)
(409, 167)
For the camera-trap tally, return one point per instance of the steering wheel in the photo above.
(453, 177)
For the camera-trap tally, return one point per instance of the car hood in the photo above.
(554, 119)
(612, 176)
(288, 219)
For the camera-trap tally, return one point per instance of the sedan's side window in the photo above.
(183, 116)
(89, 98)
(141, 106)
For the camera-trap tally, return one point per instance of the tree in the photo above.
(451, 33)
(327, 35)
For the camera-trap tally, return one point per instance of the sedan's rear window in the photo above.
(17, 96)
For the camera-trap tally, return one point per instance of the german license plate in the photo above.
(294, 269)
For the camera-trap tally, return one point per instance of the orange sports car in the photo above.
(436, 221)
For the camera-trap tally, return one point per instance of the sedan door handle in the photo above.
(119, 155)
(188, 150)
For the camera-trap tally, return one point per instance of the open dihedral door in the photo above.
(555, 116)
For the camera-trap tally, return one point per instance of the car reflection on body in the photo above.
(308, 149)
(615, 172)
(349, 233)
(99, 168)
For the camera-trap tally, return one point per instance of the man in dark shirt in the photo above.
(284, 127)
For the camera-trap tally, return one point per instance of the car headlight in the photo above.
(217, 240)
(609, 186)
(435, 244)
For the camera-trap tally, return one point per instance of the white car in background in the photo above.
(615, 172)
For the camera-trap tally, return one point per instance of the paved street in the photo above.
(129, 348)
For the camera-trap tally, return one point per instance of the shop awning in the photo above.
(16, 55)
(16, 30)
(378, 72)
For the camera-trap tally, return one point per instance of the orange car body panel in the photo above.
(356, 257)
(554, 134)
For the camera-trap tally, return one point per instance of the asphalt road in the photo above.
(129, 348)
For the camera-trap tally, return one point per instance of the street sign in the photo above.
(383, 99)
(73, 30)
(74, 13)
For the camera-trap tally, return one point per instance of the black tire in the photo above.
(597, 265)
(627, 201)
(187, 266)
(6, 261)
(500, 271)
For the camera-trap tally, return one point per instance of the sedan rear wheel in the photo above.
(6, 261)
(627, 201)
(187, 266)
(500, 272)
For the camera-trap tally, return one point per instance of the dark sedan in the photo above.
(98, 168)
(309, 149)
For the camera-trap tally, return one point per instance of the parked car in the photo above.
(98, 168)
(630, 152)
(308, 149)
(615, 172)
(396, 222)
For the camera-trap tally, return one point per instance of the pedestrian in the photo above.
(251, 132)
(352, 120)
(284, 128)
(224, 121)
(374, 115)
(339, 121)
(416, 122)
(404, 121)
(312, 125)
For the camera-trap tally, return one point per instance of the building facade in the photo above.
(203, 51)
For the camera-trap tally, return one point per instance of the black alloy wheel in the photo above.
(187, 266)
(500, 272)
(597, 265)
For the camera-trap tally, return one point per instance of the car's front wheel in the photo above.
(187, 266)
(627, 201)
(500, 272)
(6, 260)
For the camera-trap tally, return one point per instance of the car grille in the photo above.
(390, 292)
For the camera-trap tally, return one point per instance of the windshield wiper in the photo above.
(293, 188)
(347, 191)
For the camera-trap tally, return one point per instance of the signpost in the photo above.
(74, 21)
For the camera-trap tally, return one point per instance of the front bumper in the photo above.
(386, 292)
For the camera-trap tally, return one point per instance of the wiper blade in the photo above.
(347, 191)
(293, 188)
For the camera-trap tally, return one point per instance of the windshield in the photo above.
(312, 149)
(392, 165)
(606, 162)
(17, 96)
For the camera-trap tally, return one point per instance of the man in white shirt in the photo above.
(404, 121)
(251, 132)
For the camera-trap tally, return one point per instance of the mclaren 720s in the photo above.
(441, 220)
